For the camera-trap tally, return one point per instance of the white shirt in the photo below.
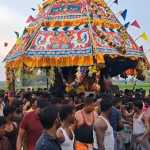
(109, 141)
(68, 144)
(138, 125)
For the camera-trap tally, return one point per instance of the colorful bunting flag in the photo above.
(141, 48)
(116, 2)
(144, 36)
(18, 41)
(127, 25)
(124, 14)
(135, 24)
(17, 34)
(30, 19)
(5, 44)
(33, 9)
(25, 31)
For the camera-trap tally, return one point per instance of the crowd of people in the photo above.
(38, 120)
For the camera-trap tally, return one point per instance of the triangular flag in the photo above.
(124, 14)
(141, 48)
(144, 36)
(33, 9)
(30, 19)
(25, 31)
(116, 2)
(5, 44)
(127, 25)
(17, 34)
(135, 24)
(18, 41)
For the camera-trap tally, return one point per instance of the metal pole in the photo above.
(13, 82)
(47, 83)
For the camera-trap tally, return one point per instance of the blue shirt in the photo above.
(114, 119)
(46, 142)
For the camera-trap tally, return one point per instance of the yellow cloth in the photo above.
(80, 89)
(68, 89)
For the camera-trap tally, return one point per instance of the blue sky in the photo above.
(13, 14)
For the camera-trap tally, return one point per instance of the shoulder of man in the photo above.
(100, 123)
(26, 119)
(78, 113)
(45, 144)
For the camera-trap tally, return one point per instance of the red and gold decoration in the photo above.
(68, 33)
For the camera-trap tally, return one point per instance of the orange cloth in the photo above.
(88, 117)
(80, 146)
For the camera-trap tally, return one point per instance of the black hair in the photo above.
(91, 95)
(9, 111)
(89, 100)
(65, 111)
(33, 100)
(146, 100)
(116, 100)
(27, 95)
(45, 95)
(138, 104)
(55, 100)
(42, 104)
(2, 121)
(18, 110)
(48, 116)
(106, 103)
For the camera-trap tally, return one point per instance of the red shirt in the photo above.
(33, 127)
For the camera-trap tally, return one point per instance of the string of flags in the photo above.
(144, 36)
(33, 9)
(116, 1)
(5, 44)
(17, 34)
(127, 25)
(30, 19)
(18, 39)
(123, 14)
(141, 48)
(135, 23)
